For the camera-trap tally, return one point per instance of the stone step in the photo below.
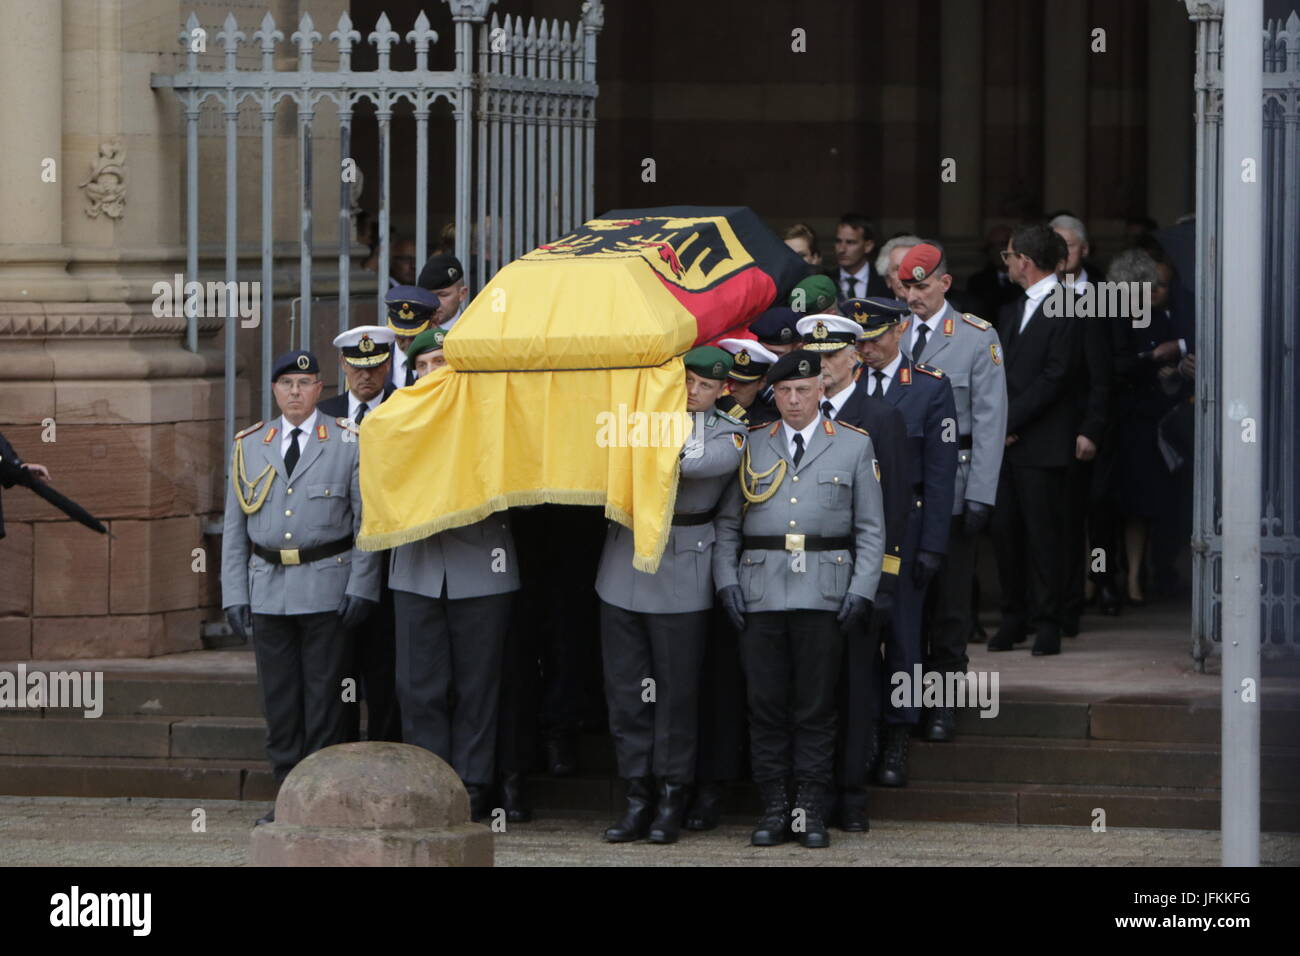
(1115, 763)
(152, 695)
(134, 777)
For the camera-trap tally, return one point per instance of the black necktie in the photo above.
(879, 390)
(828, 409)
(798, 449)
(850, 287)
(922, 332)
(361, 412)
(291, 456)
(410, 374)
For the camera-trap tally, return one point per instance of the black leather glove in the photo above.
(354, 610)
(924, 568)
(977, 516)
(853, 609)
(240, 619)
(733, 602)
(882, 608)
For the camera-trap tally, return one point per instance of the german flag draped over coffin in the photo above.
(557, 367)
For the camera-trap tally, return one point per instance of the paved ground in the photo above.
(66, 831)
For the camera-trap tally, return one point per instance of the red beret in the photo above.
(919, 263)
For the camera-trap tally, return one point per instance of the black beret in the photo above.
(797, 364)
(440, 271)
(300, 361)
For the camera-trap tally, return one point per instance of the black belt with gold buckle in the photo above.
(291, 556)
(795, 542)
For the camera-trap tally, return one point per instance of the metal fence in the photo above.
(1278, 172)
(524, 141)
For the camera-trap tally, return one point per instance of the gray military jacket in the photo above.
(320, 504)
(684, 581)
(968, 351)
(475, 560)
(834, 492)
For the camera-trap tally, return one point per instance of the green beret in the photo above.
(427, 341)
(817, 292)
(708, 361)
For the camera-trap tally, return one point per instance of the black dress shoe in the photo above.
(562, 754)
(269, 818)
(1047, 644)
(892, 771)
(852, 815)
(940, 724)
(811, 799)
(635, 823)
(774, 827)
(1005, 640)
(706, 808)
(1070, 625)
(1108, 601)
(512, 798)
(667, 824)
(480, 801)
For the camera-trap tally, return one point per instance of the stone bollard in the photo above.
(372, 804)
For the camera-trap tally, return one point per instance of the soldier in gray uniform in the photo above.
(452, 595)
(290, 578)
(969, 352)
(654, 626)
(797, 570)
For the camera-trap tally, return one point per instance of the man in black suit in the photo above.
(846, 400)
(366, 357)
(1043, 362)
(855, 244)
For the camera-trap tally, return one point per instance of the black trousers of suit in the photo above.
(858, 699)
(302, 660)
(374, 664)
(950, 605)
(655, 737)
(792, 663)
(724, 730)
(449, 677)
(1029, 539)
(521, 687)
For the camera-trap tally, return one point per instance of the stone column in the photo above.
(961, 122)
(1066, 34)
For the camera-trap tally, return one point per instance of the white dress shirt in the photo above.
(354, 404)
(889, 371)
(932, 323)
(307, 427)
(807, 434)
(862, 275)
(840, 397)
(1035, 294)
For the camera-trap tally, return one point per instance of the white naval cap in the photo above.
(827, 333)
(366, 345)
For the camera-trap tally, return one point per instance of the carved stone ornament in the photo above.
(106, 187)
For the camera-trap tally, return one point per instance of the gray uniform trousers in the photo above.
(654, 626)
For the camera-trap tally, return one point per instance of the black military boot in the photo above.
(774, 827)
(512, 798)
(562, 753)
(635, 823)
(706, 807)
(480, 800)
(667, 824)
(853, 810)
(811, 799)
(940, 724)
(892, 771)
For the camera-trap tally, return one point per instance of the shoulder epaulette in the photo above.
(728, 418)
(976, 321)
(929, 370)
(347, 423)
(249, 430)
(758, 426)
(860, 431)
